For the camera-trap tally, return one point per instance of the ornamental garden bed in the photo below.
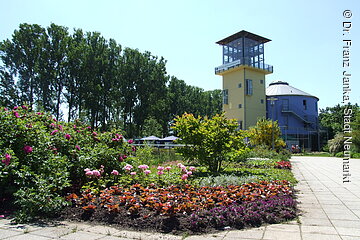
(52, 169)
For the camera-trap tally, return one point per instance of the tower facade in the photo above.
(243, 72)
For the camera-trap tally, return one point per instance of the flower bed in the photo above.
(283, 165)
(259, 203)
(187, 208)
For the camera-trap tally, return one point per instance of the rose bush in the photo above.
(42, 159)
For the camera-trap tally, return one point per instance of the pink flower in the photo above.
(24, 107)
(53, 132)
(184, 176)
(133, 148)
(143, 167)
(121, 159)
(192, 168)
(128, 167)
(60, 127)
(87, 169)
(180, 165)
(52, 125)
(39, 113)
(16, 107)
(77, 147)
(7, 159)
(96, 173)
(189, 173)
(124, 156)
(133, 173)
(74, 126)
(67, 136)
(27, 149)
(2, 216)
(160, 168)
(130, 141)
(89, 173)
(16, 114)
(115, 172)
(54, 119)
(160, 173)
(147, 172)
(115, 139)
(168, 168)
(94, 134)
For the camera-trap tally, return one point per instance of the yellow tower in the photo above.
(243, 72)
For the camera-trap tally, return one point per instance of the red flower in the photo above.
(27, 149)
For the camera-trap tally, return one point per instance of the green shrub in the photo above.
(262, 151)
(42, 158)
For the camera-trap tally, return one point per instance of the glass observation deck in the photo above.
(243, 48)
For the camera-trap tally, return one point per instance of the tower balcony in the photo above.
(227, 66)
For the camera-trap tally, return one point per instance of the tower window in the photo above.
(240, 106)
(261, 81)
(262, 101)
(304, 104)
(225, 96)
(240, 125)
(249, 87)
(239, 86)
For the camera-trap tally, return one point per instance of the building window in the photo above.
(240, 125)
(225, 96)
(249, 87)
(261, 81)
(304, 104)
(262, 101)
(285, 106)
(239, 86)
(240, 106)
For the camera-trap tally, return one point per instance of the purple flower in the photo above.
(143, 167)
(27, 149)
(77, 147)
(53, 132)
(7, 159)
(147, 172)
(16, 114)
(128, 167)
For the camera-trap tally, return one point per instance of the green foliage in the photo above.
(264, 132)
(263, 151)
(42, 158)
(332, 117)
(209, 142)
(337, 143)
(151, 128)
(225, 180)
(98, 80)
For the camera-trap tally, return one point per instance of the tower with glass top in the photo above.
(243, 72)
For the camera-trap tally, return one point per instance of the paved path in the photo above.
(331, 211)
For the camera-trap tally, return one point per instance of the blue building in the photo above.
(296, 112)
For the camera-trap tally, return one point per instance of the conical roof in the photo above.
(280, 88)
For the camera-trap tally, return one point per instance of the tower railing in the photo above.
(238, 62)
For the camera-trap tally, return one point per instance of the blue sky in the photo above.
(306, 47)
